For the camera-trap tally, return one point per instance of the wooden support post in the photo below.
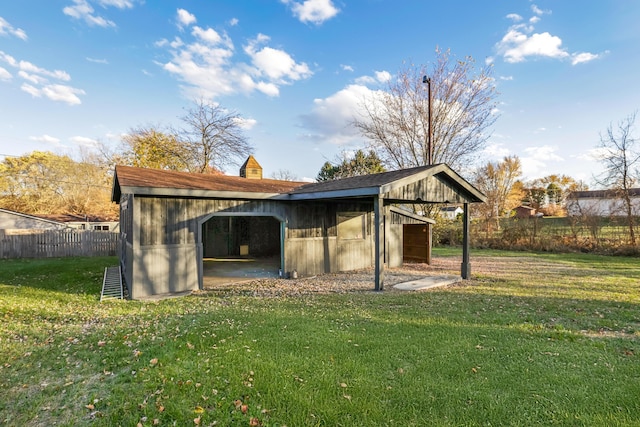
(466, 265)
(378, 210)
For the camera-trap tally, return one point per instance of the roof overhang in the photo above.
(404, 186)
(195, 193)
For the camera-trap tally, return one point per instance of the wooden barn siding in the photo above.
(167, 254)
(431, 189)
(126, 217)
(164, 269)
(169, 226)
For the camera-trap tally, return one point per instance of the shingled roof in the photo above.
(155, 181)
(169, 183)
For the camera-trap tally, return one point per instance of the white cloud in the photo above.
(97, 61)
(313, 11)
(506, 78)
(516, 46)
(84, 141)
(47, 139)
(55, 92)
(245, 123)
(496, 151)
(596, 154)
(39, 81)
(82, 10)
(514, 17)
(383, 76)
(5, 75)
(208, 67)
(521, 42)
(8, 29)
(377, 78)
(185, 18)
(543, 152)
(535, 162)
(276, 64)
(346, 67)
(331, 117)
(535, 9)
(233, 22)
(580, 58)
(120, 4)
(33, 78)
(209, 35)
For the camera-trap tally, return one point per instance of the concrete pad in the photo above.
(427, 282)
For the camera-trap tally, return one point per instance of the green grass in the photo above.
(548, 340)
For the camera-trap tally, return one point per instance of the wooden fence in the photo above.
(59, 243)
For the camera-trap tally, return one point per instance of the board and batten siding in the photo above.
(169, 249)
(432, 189)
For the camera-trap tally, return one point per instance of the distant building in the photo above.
(601, 203)
(525, 212)
(451, 212)
(84, 222)
(13, 222)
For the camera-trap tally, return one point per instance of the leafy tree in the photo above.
(213, 137)
(550, 192)
(621, 160)
(47, 183)
(359, 164)
(149, 147)
(497, 181)
(396, 121)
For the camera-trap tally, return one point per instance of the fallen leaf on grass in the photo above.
(196, 421)
(153, 361)
(90, 406)
(254, 422)
(343, 385)
(198, 410)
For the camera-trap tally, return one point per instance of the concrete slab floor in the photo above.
(427, 282)
(238, 269)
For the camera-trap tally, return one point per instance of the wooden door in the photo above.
(415, 243)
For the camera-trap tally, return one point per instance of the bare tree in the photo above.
(214, 137)
(621, 165)
(284, 175)
(396, 121)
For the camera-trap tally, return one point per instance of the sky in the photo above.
(76, 73)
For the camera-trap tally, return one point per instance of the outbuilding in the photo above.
(170, 222)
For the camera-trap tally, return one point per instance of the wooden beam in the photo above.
(378, 215)
(466, 265)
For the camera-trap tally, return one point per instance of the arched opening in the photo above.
(240, 247)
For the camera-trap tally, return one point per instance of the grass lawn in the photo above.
(532, 339)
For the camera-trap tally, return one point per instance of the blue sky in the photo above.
(77, 72)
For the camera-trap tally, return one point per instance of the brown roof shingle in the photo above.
(128, 176)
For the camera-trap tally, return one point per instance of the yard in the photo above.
(532, 339)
